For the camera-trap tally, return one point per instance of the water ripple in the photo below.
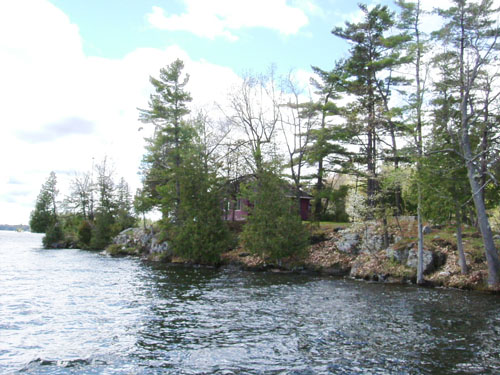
(76, 312)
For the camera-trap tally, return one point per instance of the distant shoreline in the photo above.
(17, 228)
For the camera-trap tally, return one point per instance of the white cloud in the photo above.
(61, 109)
(309, 7)
(216, 18)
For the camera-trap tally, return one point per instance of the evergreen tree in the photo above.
(374, 54)
(163, 160)
(274, 228)
(417, 45)
(105, 216)
(45, 213)
(143, 203)
(179, 173)
(124, 216)
(203, 235)
(328, 150)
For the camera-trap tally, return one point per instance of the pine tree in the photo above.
(45, 213)
(124, 216)
(203, 235)
(417, 45)
(163, 160)
(179, 173)
(374, 54)
(274, 228)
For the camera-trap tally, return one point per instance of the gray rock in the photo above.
(496, 237)
(400, 255)
(348, 242)
(355, 268)
(426, 229)
(143, 240)
(157, 247)
(432, 260)
(373, 243)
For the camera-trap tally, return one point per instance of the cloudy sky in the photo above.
(74, 73)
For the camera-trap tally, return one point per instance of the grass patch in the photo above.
(326, 225)
(120, 250)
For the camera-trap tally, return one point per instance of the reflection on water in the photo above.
(76, 312)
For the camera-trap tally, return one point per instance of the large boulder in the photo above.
(373, 243)
(398, 255)
(144, 241)
(348, 242)
(408, 256)
(353, 241)
(432, 260)
(157, 247)
(426, 229)
(372, 240)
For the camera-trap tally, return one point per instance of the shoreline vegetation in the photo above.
(345, 250)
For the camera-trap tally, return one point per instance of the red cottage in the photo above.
(236, 209)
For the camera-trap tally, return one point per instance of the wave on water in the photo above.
(63, 363)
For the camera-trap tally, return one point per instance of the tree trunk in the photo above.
(418, 65)
(319, 188)
(482, 218)
(397, 190)
(420, 252)
(460, 245)
(484, 142)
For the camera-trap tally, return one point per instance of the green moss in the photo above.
(396, 269)
(120, 250)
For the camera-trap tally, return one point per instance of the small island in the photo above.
(348, 153)
(259, 217)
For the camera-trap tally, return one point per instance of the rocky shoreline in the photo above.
(364, 252)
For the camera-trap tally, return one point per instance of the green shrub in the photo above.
(85, 233)
(203, 235)
(102, 232)
(53, 237)
(274, 228)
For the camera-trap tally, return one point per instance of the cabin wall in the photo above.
(305, 208)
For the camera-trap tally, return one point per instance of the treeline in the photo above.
(409, 118)
(421, 112)
(95, 211)
(191, 165)
(406, 123)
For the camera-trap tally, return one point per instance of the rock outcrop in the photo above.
(359, 251)
(139, 241)
(408, 256)
(348, 242)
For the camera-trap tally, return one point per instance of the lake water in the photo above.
(78, 312)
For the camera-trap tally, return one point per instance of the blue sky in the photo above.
(74, 73)
(113, 28)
